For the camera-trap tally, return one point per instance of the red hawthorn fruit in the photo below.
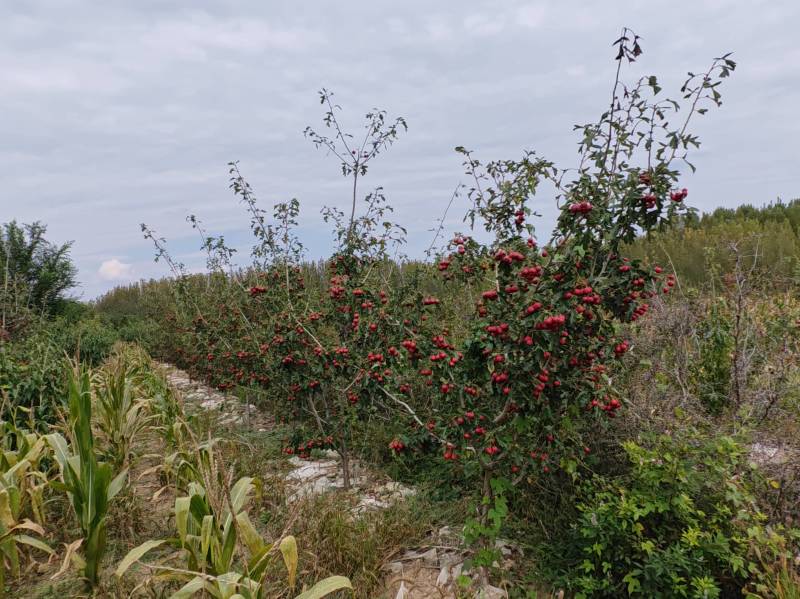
(257, 290)
(489, 295)
(534, 307)
(581, 207)
(679, 196)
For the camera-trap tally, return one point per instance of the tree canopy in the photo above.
(35, 270)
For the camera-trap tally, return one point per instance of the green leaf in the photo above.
(134, 555)
(198, 508)
(117, 484)
(288, 549)
(249, 534)
(27, 540)
(190, 588)
(182, 517)
(326, 587)
(240, 492)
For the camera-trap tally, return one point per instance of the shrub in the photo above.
(90, 339)
(681, 523)
(711, 366)
(31, 377)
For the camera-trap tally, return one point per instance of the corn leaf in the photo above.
(325, 587)
(134, 555)
(288, 549)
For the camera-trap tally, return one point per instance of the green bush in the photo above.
(90, 338)
(681, 523)
(31, 376)
(144, 332)
(712, 363)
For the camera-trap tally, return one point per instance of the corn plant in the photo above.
(20, 460)
(21, 486)
(89, 484)
(12, 534)
(121, 414)
(210, 529)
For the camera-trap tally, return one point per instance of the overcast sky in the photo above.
(119, 112)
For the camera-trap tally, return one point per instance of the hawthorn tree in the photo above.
(516, 397)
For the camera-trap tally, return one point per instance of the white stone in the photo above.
(394, 567)
(444, 577)
(430, 557)
(490, 592)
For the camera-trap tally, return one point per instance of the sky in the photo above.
(117, 113)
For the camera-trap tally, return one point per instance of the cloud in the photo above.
(118, 113)
(114, 270)
(531, 16)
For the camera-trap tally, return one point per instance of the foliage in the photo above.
(89, 339)
(767, 236)
(679, 524)
(711, 368)
(31, 376)
(42, 270)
